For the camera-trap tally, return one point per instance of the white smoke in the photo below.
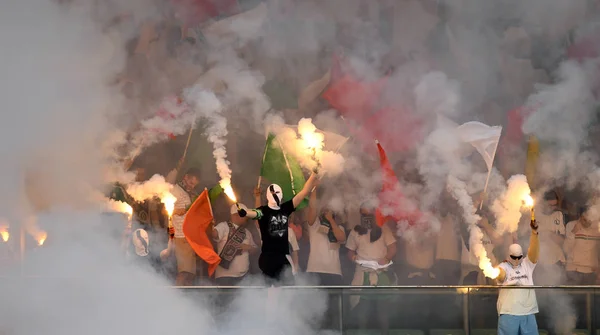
(306, 144)
(58, 106)
(156, 186)
(507, 208)
(458, 189)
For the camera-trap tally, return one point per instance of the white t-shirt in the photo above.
(517, 301)
(367, 251)
(241, 263)
(548, 225)
(582, 248)
(324, 256)
(183, 201)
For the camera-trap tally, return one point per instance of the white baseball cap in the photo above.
(515, 250)
(234, 208)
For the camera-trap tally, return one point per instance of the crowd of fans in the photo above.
(326, 244)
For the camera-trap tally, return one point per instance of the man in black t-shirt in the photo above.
(273, 225)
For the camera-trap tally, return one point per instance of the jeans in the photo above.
(517, 325)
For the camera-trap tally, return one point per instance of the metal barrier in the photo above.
(442, 310)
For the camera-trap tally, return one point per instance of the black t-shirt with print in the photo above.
(274, 228)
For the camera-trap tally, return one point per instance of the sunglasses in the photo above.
(516, 258)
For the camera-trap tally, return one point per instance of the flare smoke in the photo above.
(458, 189)
(507, 208)
(154, 187)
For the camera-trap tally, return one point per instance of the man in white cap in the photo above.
(517, 307)
(273, 226)
(234, 244)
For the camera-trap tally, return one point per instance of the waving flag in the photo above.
(483, 138)
(195, 225)
(282, 169)
(393, 205)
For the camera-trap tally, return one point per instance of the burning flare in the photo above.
(226, 185)
(4, 234)
(528, 200)
(312, 140)
(41, 238)
(168, 200)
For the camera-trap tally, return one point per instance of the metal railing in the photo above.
(442, 310)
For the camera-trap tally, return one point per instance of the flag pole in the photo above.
(188, 141)
(262, 162)
(487, 180)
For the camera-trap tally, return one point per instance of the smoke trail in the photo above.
(458, 189)
(507, 208)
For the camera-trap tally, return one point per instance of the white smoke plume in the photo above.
(156, 186)
(306, 144)
(508, 207)
(210, 108)
(437, 95)
(458, 189)
(59, 102)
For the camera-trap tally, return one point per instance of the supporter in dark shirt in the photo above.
(273, 225)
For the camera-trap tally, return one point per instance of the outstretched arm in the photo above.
(533, 253)
(312, 209)
(305, 190)
(502, 276)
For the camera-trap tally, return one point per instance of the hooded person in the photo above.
(273, 224)
(372, 248)
(517, 307)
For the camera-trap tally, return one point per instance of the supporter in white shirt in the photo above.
(517, 307)
(325, 237)
(581, 247)
(235, 261)
(369, 242)
(294, 248)
(552, 236)
(186, 256)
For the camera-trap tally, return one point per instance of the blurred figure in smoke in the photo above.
(273, 223)
(552, 237)
(234, 245)
(581, 247)
(185, 193)
(371, 243)
(517, 307)
(447, 250)
(326, 236)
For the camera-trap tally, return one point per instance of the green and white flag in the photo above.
(282, 169)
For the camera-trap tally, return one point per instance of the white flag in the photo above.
(483, 137)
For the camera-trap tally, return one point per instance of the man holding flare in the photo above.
(273, 225)
(517, 307)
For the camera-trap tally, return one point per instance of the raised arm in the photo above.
(533, 253)
(308, 186)
(311, 215)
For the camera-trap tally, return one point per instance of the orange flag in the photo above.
(196, 222)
